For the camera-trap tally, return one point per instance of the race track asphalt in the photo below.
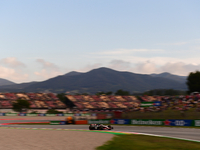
(186, 133)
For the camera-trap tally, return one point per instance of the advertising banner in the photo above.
(21, 114)
(120, 121)
(41, 114)
(51, 115)
(155, 122)
(85, 114)
(197, 123)
(62, 122)
(2, 114)
(99, 121)
(57, 122)
(149, 104)
(59, 114)
(54, 122)
(11, 114)
(77, 114)
(173, 122)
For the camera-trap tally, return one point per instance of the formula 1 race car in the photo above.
(100, 127)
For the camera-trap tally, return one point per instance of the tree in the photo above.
(163, 92)
(85, 94)
(193, 82)
(21, 105)
(104, 93)
(121, 92)
(62, 97)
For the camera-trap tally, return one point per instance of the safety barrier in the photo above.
(57, 122)
(153, 122)
(64, 122)
(81, 122)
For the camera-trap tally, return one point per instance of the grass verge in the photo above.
(143, 142)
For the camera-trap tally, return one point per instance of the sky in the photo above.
(41, 39)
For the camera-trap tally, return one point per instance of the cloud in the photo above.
(196, 48)
(178, 68)
(193, 41)
(13, 74)
(177, 43)
(13, 70)
(46, 74)
(119, 64)
(12, 62)
(148, 67)
(159, 56)
(89, 67)
(127, 51)
(46, 64)
(145, 67)
(158, 60)
(180, 43)
(48, 70)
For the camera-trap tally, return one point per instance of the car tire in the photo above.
(91, 128)
(110, 128)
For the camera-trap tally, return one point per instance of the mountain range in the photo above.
(181, 79)
(5, 82)
(101, 79)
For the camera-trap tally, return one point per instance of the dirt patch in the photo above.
(22, 139)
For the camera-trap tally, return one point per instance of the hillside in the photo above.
(101, 79)
(5, 82)
(181, 79)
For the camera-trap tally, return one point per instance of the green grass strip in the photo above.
(143, 142)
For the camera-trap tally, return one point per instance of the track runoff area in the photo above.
(188, 134)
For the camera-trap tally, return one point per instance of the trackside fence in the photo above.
(152, 122)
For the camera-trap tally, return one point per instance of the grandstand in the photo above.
(112, 102)
(36, 100)
(103, 101)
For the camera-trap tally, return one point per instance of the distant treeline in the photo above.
(161, 92)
